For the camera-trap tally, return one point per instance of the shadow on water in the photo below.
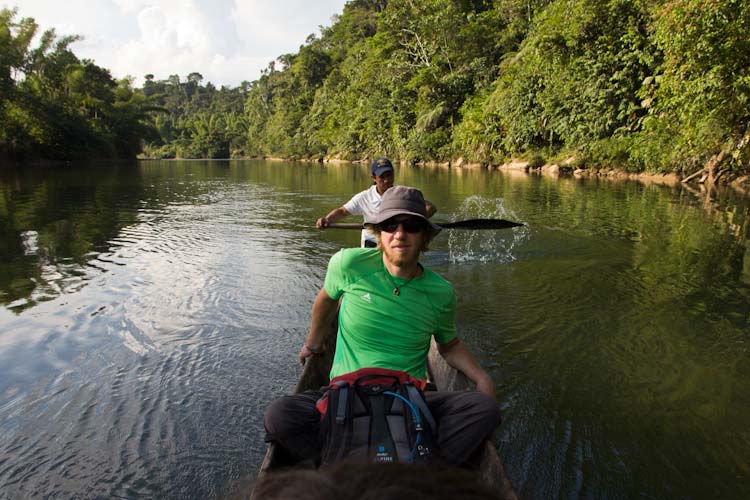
(151, 311)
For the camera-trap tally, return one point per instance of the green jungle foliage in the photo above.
(639, 84)
(55, 106)
(194, 120)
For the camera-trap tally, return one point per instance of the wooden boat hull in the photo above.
(445, 378)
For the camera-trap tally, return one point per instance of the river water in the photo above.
(149, 312)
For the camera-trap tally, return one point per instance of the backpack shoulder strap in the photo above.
(336, 424)
(341, 407)
(417, 399)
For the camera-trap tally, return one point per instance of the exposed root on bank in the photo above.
(712, 171)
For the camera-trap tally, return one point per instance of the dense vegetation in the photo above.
(641, 84)
(196, 121)
(55, 106)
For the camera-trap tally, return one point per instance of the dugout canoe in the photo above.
(445, 377)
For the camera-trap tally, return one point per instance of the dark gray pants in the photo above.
(465, 421)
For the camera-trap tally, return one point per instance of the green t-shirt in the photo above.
(378, 329)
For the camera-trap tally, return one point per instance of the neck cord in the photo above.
(397, 289)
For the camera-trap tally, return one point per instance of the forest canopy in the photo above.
(56, 106)
(648, 85)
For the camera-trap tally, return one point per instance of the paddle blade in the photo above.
(480, 224)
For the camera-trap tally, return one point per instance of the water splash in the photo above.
(484, 245)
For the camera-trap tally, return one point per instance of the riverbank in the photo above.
(738, 182)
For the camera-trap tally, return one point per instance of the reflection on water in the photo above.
(149, 313)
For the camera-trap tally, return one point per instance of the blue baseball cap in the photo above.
(381, 166)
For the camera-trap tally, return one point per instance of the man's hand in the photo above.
(307, 352)
(486, 386)
(334, 215)
(457, 355)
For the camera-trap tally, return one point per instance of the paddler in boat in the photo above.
(391, 307)
(367, 202)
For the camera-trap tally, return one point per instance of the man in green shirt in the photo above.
(391, 307)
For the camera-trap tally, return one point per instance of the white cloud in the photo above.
(132, 6)
(227, 41)
(261, 21)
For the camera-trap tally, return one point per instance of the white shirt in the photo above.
(366, 203)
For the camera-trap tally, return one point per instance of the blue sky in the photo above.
(227, 41)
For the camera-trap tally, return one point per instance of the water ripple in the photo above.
(150, 318)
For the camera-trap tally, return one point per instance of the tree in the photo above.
(55, 105)
(699, 95)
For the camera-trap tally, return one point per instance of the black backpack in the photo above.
(376, 416)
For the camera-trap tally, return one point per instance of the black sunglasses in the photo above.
(410, 225)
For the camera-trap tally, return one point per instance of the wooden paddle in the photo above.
(461, 224)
